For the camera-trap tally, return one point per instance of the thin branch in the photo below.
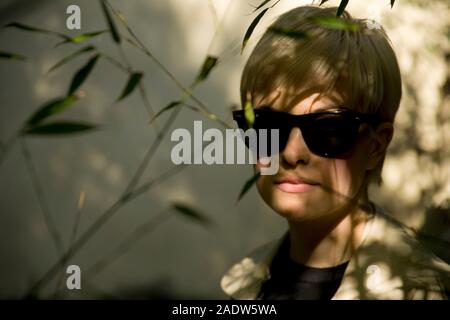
(150, 184)
(142, 91)
(141, 87)
(138, 234)
(76, 224)
(114, 61)
(7, 146)
(147, 104)
(140, 45)
(150, 153)
(213, 13)
(208, 115)
(39, 191)
(129, 192)
(104, 217)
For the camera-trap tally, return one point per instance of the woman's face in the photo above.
(332, 182)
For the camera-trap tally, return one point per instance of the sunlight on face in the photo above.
(332, 183)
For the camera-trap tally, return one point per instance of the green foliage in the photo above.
(252, 27)
(209, 63)
(112, 26)
(82, 37)
(262, 5)
(341, 8)
(335, 23)
(171, 105)
(191, 213)
(132, 82)
(71, 57)
(59, 128)
(25, 27)
(38, 124)
(249, 114)
(51, 108)
(82, 74)
(248, 184)
(11, 56)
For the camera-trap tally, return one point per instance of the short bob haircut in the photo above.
(358, 63)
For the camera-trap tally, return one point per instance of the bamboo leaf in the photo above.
(248, 184)
(249, 114)
(132, 82)
(33, 29)
(82, 74)
(335, 23)
(71, 56)
(262, 5)
(82, 37)
(392, 3)
(166, 108)
(341, 8)
(191, 213)
(208, 65)
(12, 56)
(252, 27)
(51, 108)
(322, 2)
(59, 128)
(112, 26)
(290, 33)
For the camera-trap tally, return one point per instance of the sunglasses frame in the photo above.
(303, 121)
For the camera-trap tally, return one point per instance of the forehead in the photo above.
(300, 102)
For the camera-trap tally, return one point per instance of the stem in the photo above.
(142, 90)
(104, 217)
(147, 104)
(126, 244)
(148, 185)
(140, 45)
(141, 87)
(6, 147)
(114, 62)
(213, 13)
(129, 192)
(150, 153)
(39, 191)
(80, 206)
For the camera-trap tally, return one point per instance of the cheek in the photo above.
(345, 176)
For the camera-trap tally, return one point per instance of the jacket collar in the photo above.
(368, 275)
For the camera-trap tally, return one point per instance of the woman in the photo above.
(333, 94)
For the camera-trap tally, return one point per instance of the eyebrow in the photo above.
(333, 107)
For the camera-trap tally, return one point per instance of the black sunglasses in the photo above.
(329, 134)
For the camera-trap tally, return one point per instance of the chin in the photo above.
(291, 206)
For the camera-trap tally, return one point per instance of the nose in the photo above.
(296, 151)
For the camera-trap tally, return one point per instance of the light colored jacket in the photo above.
(389, 264)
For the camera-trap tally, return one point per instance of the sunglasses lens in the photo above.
(270, 120)
(331, 135)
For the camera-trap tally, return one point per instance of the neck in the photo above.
(327, 242)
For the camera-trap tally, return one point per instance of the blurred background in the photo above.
(49, 182)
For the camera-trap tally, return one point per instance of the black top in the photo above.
(292, 281)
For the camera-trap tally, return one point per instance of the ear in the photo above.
(380, 139)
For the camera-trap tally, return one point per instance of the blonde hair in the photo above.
(358, 62)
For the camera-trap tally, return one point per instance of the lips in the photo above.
(295, 185)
